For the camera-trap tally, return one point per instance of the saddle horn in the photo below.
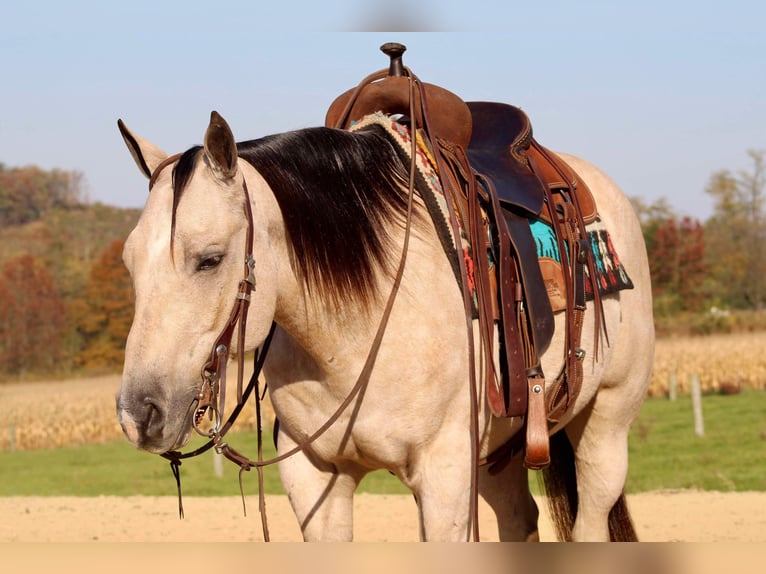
(388, 91)
(394, 50)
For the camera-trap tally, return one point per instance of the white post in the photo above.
(672, 386)
(218, 464)
(699, 426)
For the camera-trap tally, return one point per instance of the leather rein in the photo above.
(212, 392)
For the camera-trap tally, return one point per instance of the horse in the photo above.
(330, 217)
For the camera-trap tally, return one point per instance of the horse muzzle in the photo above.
(149, 425)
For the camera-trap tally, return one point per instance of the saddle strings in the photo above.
(451, 194)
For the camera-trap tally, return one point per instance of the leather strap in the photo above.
(213, 372)
(509, 290)
(452, 193)
(158, 170)
(537, 454)
(567, 221)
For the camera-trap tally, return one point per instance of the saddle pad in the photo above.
(610, 273)
(428, 185)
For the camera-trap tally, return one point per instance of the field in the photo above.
(721, 361)
(55, 414)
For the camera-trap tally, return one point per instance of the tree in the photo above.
(676, 249)
(652, 216)
(106, 313)
(736, 234)
(26, 193)
(32, 318)
(677, 266)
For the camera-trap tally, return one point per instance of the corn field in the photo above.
(65, 413)
(721, 361)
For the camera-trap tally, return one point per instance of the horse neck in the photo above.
(319, 327)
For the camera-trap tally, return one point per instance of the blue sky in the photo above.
(658, 94)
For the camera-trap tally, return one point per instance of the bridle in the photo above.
(212, 393)
(211, 396)
(213, 372)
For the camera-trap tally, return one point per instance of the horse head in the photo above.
(185, 257)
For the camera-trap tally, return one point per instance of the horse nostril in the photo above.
(152, 418)
(142, 421)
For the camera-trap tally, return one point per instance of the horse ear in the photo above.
(146, 155)
(220, 147)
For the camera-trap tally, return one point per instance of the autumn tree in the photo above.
(677, 265)
(737, 234)
(105, 314)
(32, 319)
(26, 193)
(652, 216)
(676, 249)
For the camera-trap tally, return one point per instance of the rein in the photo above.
(212, 393)
(436, 148)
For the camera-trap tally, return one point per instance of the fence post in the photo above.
(672, 386)
(218, 464)
(699, 426)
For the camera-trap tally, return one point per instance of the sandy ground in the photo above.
(659, 517)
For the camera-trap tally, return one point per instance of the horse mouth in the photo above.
(199, 414)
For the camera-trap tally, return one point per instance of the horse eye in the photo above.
(209, 263)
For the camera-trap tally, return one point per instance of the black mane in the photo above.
(182, 172)
(337, 191)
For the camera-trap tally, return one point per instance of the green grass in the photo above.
(664, 454)
(118, 469)
(115, 469)
(731, 456)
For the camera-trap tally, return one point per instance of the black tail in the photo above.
(560, 484)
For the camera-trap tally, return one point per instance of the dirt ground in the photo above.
(660, 516)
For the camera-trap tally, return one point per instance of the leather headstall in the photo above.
(212, 393)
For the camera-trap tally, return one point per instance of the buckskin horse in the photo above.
(370, 343)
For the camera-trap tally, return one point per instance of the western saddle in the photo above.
(498, 178)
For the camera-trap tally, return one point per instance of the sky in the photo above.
(659, 94)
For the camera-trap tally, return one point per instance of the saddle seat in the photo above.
(501, 148)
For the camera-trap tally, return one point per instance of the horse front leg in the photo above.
(320, 496)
